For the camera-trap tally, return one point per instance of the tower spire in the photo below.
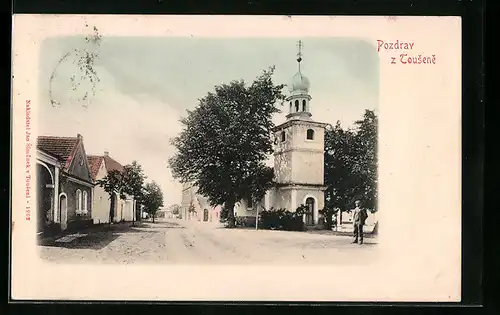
(299, 53)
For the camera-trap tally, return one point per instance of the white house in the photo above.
(123, 210)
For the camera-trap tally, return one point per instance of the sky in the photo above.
(147, 84)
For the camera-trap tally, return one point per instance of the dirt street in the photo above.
(190, 242)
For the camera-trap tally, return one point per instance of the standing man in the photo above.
(359, 218)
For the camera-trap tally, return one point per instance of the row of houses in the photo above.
(67, 191)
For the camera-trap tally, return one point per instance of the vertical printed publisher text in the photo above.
(28, 160)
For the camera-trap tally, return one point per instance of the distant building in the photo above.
(196, 207)
(165, 213)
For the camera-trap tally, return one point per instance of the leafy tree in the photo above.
(351, 166)
(366, 164)
(259, 182)
(153, 198)
(120, 184)
(339, 164)
(225, 141)
(134, 179)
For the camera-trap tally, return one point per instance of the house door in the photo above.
(63, 206)
(310, 211)
(205, 215)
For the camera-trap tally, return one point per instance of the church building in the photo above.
(298, 157)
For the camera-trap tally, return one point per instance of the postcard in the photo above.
(236, 158)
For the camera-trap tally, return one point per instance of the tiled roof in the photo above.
(62, 147)
(94, 163)
(112, 165)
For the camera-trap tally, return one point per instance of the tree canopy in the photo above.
(129, 181)
(134, 178)
(351, 163)
(226, 139)
(153, 198)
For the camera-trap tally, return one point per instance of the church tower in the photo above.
(299, 152)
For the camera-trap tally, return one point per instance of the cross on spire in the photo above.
(299, 54)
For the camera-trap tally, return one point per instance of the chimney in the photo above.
(106, 153)
(79, 136)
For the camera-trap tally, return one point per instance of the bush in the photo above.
(245, 221)
(328, 215)
(281, 219)
(52, 229)
(74, 226)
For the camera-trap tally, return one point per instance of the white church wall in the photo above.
(300, 136)
(283, 167)
(308, 167)
(281, 145)
(283, 199)
(317, 194)
(319, 202)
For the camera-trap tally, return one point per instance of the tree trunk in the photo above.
(231, 222)
(328, 219)
(153, 217)
(112, 208)
(138, 213)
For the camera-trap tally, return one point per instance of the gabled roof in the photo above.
(95, 164)
(61, 147)
(64, 149)
(112, 164)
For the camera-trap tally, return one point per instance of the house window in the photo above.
(283, 136)
(85, 201)
(296, 105)
(310, 134)
(304, 105)
(78, 201)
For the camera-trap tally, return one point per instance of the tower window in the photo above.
(296, 105)
(290, 106)
(283, 137)
(304, 105)
(310, 134)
